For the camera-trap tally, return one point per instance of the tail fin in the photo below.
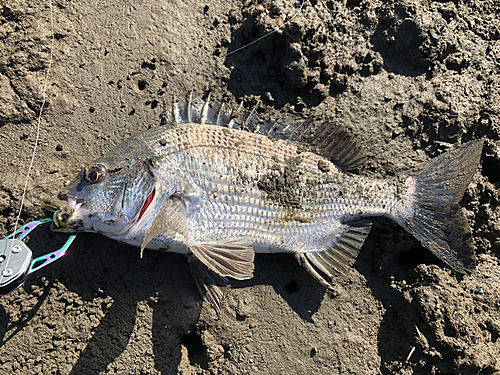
(438, 221)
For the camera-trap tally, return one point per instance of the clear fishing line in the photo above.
(269, 33)
(38, 125)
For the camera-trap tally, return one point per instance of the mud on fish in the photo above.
(219, 188)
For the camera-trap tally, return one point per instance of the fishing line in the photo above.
(39, 120)
(269, 33)
(38, 125)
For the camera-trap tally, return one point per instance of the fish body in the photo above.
(235, 184)
(220, 194)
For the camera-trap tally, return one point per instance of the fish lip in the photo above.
(72, 202)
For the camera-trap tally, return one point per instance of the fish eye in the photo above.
(95, 174)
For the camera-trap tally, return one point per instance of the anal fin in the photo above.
(230, 257)
(345, 245)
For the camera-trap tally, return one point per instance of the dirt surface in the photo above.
(410, 78)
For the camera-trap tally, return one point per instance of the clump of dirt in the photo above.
(410, 79)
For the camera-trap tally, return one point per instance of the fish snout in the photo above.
(63, 208)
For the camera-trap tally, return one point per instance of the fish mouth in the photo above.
(63, 207)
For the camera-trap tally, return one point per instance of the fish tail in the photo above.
(432, 213)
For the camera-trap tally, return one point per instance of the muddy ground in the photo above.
(410, 79)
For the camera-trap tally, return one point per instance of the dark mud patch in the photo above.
(283, 183)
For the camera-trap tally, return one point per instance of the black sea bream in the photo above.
(204, 187)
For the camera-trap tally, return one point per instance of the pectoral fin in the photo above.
(231, 257)
(172, 217)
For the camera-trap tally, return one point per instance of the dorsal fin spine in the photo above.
(177, 117)
(327, 140)
(189, 108)
(204, 111)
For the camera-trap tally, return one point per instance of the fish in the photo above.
(219, 187)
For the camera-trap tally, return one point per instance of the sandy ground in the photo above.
(410, 78)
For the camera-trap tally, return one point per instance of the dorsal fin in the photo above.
(333, 142)
(198, 111)
(326, 139)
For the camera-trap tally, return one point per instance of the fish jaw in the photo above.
(83, 220)
(67, 215)
(77, 215)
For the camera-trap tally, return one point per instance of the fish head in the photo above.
(107, 197)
